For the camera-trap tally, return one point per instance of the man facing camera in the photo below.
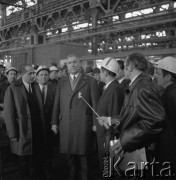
(74, 117)
(45, 91)
(24, 126)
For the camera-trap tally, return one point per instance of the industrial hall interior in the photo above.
(87, 89)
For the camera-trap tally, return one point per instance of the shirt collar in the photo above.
(134, 79)
(41, 86)
(26, 85)
(121, 79)
(76, 75)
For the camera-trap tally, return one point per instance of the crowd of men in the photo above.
(121, 103)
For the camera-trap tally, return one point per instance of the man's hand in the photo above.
(116, 148)
(55, 129)
(14, 139)
(94, 128)
(106, 121)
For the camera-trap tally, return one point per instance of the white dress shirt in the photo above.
(27, 86)
(72, 76)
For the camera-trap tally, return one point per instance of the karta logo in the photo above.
(113, 167)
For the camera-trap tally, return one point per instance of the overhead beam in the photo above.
(10, 3)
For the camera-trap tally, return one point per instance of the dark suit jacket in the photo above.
(125, 84)
(100, 87)
(46, 110)
(109, 105)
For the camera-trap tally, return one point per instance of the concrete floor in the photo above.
(60, 170)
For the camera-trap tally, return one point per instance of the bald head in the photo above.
(28, 73)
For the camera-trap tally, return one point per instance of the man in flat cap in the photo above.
(45, 91)
(23, 123)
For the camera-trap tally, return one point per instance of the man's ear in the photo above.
(168, 77)
(131, 67)
(106, 73)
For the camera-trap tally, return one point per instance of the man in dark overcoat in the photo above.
(45, 92)
(74, 117)
(109, 104)
(24, 127)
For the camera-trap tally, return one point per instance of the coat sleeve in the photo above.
(10, 116)
(95, 95)
(56, 106)
(150, 115)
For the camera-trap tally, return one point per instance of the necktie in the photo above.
(30, 89)
(43, 94)
(74, 77)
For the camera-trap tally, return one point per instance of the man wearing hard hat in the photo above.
(166, 77)
(109, 104)
(53, 76)
(142, 116)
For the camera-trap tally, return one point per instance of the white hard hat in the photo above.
(11, 69)
(42, 67)
(110, 64)
(53, 68)
(168, 63)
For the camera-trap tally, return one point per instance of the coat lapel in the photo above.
(20, 84)
(82, 82)
(38, 93)
(48, 94)
(65, 82)
(103, 94)
(106, 90)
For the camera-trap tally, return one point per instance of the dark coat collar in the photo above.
(137, 80)
(111, 85)
(18, 82)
